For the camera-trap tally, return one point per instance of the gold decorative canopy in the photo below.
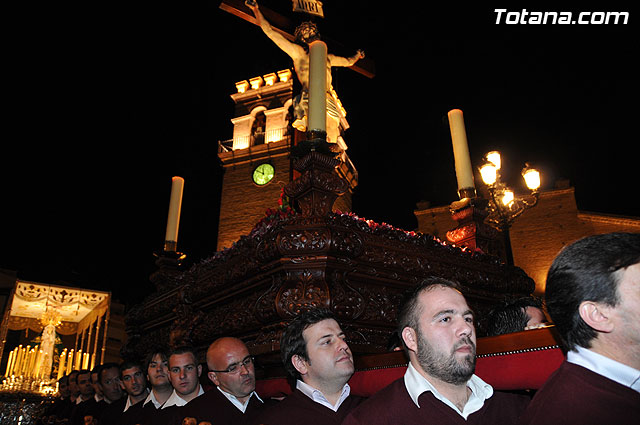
(78, 308)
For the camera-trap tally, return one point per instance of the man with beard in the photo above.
(319, 363)
(439, 387)
(134, 382)
(234, 400)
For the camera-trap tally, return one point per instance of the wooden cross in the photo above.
(284, 26)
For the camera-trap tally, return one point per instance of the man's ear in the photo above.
(122, 387)
(596, 315)
(199, 370)
(299, 363)
(410, 338)
(214, 378)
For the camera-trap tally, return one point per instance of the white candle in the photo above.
(175, 204)
(464, 172)
(317, 119)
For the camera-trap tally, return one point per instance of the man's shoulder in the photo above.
(213, 405)
(299, 408)
(212, 398)
(382, 407)
(574, 394)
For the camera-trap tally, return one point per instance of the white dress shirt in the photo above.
(175, 400)
(128, 404)
(318, 397)
(609, 368)
(417, 384)
(234, 400)
(151, 398)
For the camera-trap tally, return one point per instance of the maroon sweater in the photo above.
(214, 407)
(299, 409)
(576, 395)
(393, 406)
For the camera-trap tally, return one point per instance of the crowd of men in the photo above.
(592, 297)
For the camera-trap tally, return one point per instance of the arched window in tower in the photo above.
(258, 129)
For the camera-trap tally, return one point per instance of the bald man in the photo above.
(234, 400)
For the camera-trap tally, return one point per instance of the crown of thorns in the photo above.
(307, 32)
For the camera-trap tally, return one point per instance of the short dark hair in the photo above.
(409, 309)
(162, 350)
(73, 376)
(107, 366)
(96, 369)
(84, 372)
(292, 342)
(586, 271)
(511, 317)
(128, 364)
(184, 349)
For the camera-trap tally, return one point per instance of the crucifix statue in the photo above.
(305, 34)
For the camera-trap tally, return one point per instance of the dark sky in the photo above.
(108, 101)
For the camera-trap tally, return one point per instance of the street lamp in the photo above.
(504, 207)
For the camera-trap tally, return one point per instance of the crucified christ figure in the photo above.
(299, 53)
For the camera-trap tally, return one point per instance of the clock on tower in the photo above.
(257, 162)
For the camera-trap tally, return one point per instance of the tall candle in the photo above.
(9, 360)
(317, 119)
(12, 362)
(61, 364)
(38, 365)
(78, 361)
(70, 361)
(173, 221)
(464, 172)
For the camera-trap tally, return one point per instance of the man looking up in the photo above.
(318, 360)
(593, 298)
(436, 327)
(234, 401)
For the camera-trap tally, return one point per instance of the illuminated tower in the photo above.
(256, 161)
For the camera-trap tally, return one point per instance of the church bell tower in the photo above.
(257, 162)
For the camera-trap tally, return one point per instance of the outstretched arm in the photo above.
(292, 49)
(341, 61)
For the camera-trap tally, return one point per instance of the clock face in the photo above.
(263, 174)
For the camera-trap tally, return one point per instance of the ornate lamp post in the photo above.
(504, 207)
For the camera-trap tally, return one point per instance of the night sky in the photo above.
(108, 101)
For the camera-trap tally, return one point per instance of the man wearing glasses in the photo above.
(234, 400)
